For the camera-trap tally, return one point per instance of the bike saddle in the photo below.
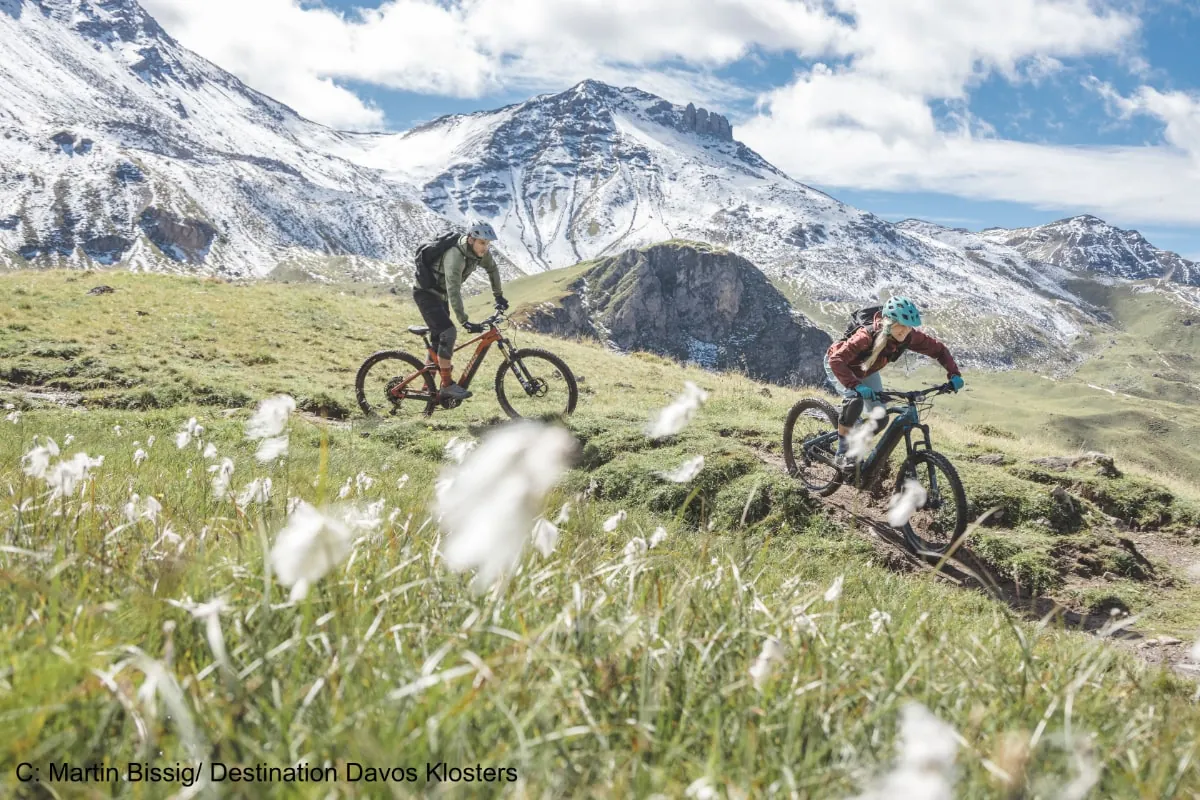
(418, 330)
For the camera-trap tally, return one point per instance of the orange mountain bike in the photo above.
(531, 382)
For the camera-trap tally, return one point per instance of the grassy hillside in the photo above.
(603, 669)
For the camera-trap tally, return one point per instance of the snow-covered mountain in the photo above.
(121, 146)
(595, 170)
(1088, 243)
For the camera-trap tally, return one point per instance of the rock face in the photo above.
(180, 239)
(695, 303)
(707, 123)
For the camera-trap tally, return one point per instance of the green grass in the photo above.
(589, 675)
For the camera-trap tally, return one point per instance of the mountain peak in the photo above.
(106, 21)
(1087, 243)
(590, 86)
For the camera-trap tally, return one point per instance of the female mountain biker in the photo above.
(853, 364)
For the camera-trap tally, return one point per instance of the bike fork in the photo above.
(527, 381)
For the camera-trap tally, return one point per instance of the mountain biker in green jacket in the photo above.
(449, 273)
(853, 365)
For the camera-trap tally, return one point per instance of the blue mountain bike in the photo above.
(810, 439)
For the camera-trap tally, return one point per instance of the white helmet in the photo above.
(481, 230)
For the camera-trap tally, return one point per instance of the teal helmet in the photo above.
(902, 310)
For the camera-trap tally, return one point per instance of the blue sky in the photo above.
(945, 109)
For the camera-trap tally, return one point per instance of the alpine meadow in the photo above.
(265, 531)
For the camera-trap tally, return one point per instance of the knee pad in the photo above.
(445, 344)
(851, 409)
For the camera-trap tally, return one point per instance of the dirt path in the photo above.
(866, 514)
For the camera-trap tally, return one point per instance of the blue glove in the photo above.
(956, 381)
(864, 391)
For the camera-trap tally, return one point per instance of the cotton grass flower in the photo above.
(271, 417)
(14, 417)
(701, 789)
(487, 504)
(545, 536)
(221, 474)
(268, 424)
(658, 537)
(139, 456)
(271, 449)
(64, 476)
(137, 509)
(635, 548)
(257, 491)
(190, 430)
(675, 417)
(835, 589)
(763, 668)
(210, 452)
(903, 505)
(308, 547)
(879, 620)
(927, 748)
(614, 522)
(457, 449)
(36, 462)
(685, 472)
(858, 441)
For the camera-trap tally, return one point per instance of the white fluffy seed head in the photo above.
(487, 504)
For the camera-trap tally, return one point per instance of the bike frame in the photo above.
(907, 420)
(483, 343)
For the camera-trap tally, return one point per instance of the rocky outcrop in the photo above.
(181, 239)
(692, 302)
(707, 123)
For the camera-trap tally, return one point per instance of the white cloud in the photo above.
(298, 52)
(862, 119)
(869, 123)
(1178, 111)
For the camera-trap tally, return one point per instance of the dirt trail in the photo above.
(867, 514)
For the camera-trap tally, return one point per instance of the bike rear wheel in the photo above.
(809, 433)
(941, 519)
(536, 384)
(386, 370)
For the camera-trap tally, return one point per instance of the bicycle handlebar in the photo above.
(494, 318)
(913, 397)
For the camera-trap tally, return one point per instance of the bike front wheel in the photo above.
(809, 441)
(535, 384)
(390, 381)
(937, 501)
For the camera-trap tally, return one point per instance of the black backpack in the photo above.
(860, 319)
(429, 254)
(863, 318)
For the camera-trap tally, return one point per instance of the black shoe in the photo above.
(452, 391)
